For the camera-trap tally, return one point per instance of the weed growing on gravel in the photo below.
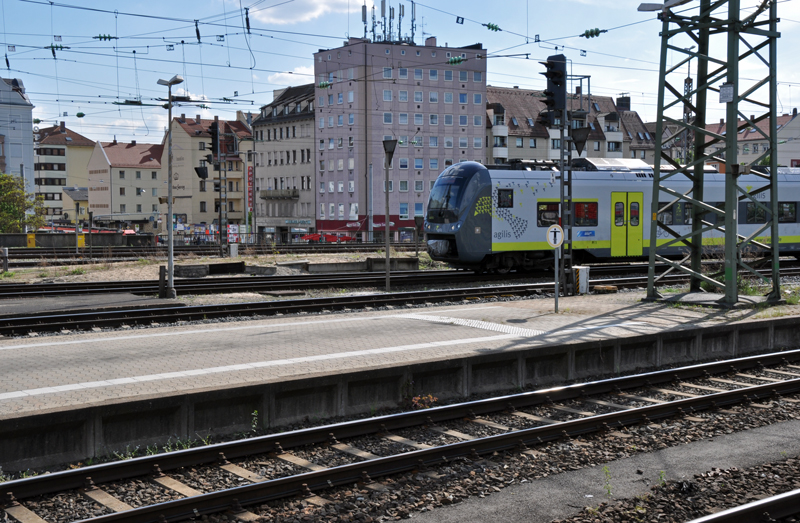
(183, 445)
(168, 447)
(607, 485)
(662, 478)
(3, 477)
(151, 450)
(7, 274)
(207, 439)
(77, 271)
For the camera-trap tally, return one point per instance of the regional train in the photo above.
(495, 219)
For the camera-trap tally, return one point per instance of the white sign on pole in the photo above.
(555, 236)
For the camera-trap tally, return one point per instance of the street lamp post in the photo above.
(388, 148)
(177, 79)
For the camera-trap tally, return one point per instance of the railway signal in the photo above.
(556, 74)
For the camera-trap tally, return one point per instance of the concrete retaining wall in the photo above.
(70, 435)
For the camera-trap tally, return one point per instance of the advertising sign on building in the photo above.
(251, 203)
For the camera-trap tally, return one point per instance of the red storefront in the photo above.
(399, 229)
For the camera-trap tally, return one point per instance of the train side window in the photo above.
(634, 219)
(547, 214)
(755, 214)
(619, 214)
(665, 217)
(586, 214)
(683, 213)
(787, 212)
(505, 198)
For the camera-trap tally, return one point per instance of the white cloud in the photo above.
(298, 76)
(305, 10)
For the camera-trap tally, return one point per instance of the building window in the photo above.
(391, 185)
(448, 98)
(387, 72)
(434, 119)
(138, 207)
(596, 146)
(154, 192)
(477, 77)
(433, 97)
(322, 211)
(387, 95)
(418, 96)
(122, 191)
(448, 142)
(434, 75)
(351, 118)
(462, 98)
(403, 74)
(350, 95)
(138, 175)
(556, 144)
(341, 211)
(349, 141)
(448, 76)
(340, 120)
(341, 186)
(154, 175)
(519, 142)
(403, 118)
(351, 163)
(463, 119)
(202, 206)
(387, 118)
(402, 96)
(122, 207)
(418, 186)
(417, 74)
(122, 175)
(532, 143)
(434, 164)
(448, 119)
(433, 141)
(403, 185)
(462, 142)
(340, 165)
(417, 119)
(404, 211)
(477, 142)
(340, 98)
(477, 120)
(477, 98)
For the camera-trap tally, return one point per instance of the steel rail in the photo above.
(257, 493)
(75, 478)
(767, 509)
(200, 285)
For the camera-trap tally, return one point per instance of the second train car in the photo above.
(495, 219)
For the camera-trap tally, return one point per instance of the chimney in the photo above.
(722, 121)
(516, 87)
(133, 142)
(624, 103)
(63, 127)
(197, 119)
(430, 41)
(578, 90)
(794, 111)
(183, 118)
(115, 140)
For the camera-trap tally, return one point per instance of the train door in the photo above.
(626, 223)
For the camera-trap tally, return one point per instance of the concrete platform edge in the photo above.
(74, 434)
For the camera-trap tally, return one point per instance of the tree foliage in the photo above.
(19, 208)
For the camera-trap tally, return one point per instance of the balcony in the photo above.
(500, 152)
(499, 130)
(280, 194)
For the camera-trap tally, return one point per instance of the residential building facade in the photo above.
(196, 207)
(367, 92)
(61, 160)
(16, 131)
(125, 180)
(285, 164)
(516, 127)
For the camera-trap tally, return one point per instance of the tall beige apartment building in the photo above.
(367, 92)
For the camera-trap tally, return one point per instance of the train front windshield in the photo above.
(445, 199)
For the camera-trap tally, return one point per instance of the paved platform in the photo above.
(49, 374)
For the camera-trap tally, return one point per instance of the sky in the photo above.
(231, 69)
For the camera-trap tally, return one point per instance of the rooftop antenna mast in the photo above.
(373, 22)
(391, 18)
(383, 18)
(400, 22)
(413, 19)
(364, 18)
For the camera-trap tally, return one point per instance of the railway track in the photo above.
(22, 325)
(186, 286)
(315, 462)
(32, 257)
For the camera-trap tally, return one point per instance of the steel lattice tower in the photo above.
(752, 35)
